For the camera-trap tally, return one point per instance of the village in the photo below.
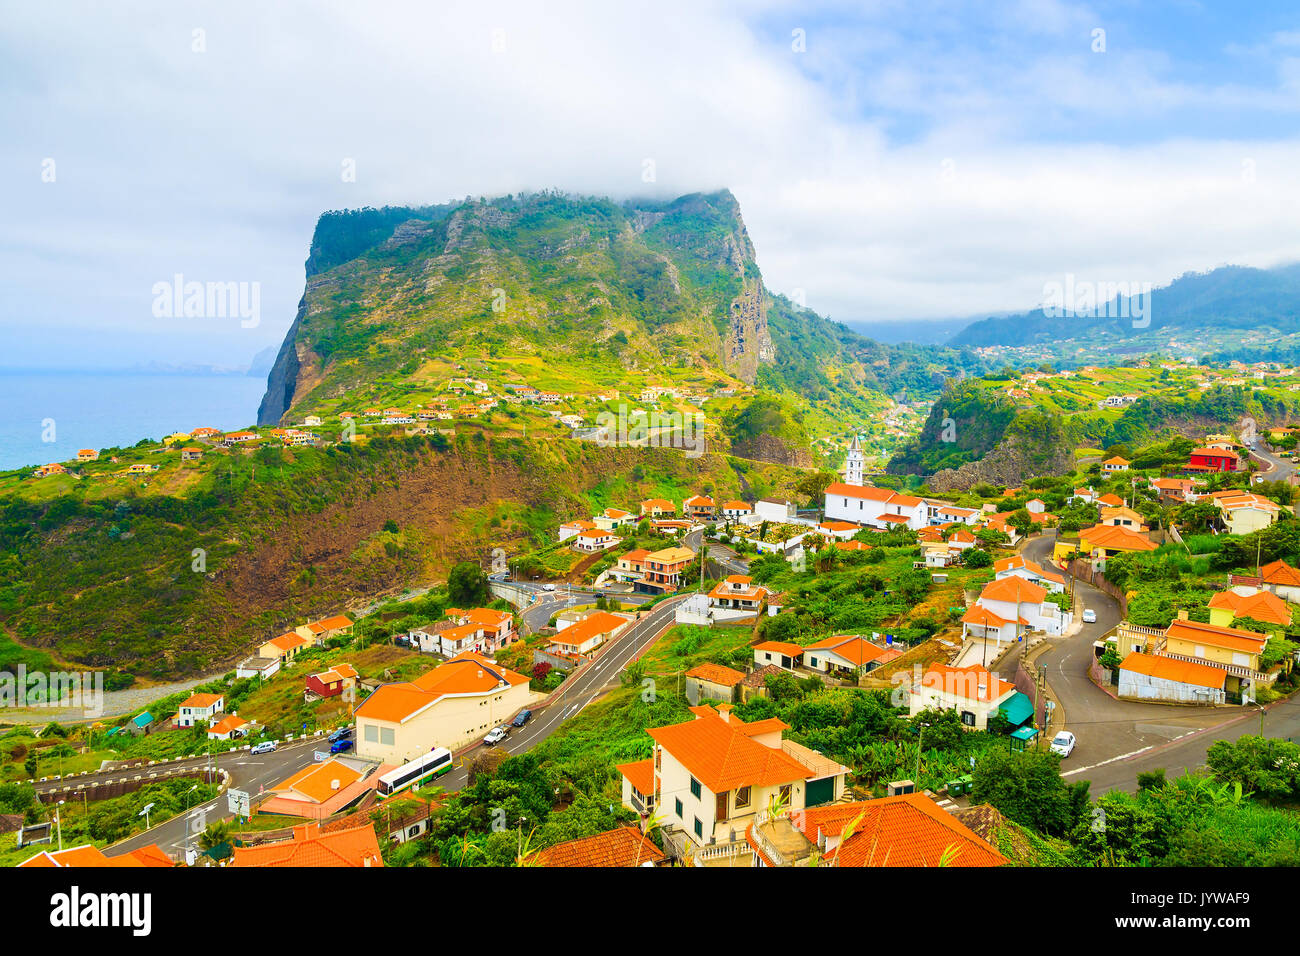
(1007, 581)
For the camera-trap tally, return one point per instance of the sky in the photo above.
(893, 160)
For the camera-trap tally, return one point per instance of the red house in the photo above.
(332, 682)
(1212, 459)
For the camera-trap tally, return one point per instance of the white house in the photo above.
(591, 541)
(974, 692)
(1018, 600)
(775, 509)
(573, 528)
(880, 508)
(199, 707)
(1030, 571)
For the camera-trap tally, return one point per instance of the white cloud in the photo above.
(216, 164)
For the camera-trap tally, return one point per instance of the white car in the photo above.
(495, 736)
(1089, 616)
(548, 587)
(1063, 743)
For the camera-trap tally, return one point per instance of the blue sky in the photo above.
(913, 160)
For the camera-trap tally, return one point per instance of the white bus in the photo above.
(433, 764)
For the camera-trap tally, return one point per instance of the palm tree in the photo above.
(214, 835)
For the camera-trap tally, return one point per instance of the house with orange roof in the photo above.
(622, 846)
(1256, 603)
(738, 592)
(191, 453)
(630, 566)
(847, 655)
(580, 638)
(1177, 490)
(735, 510)
(332, 682)
(1019, 601)
(662, 570)
(838, 530)
(1101, 542)
(1086, 495)
(1110, 501)
(657, 508)
(612, 518)
(594, 540)
(205, 432)
(228, 728)
(945, 513)
(1152, 677)
(448, 706)
(974, 692)
(1113, 466)
(711, 776)
(880, 508)
(1123, 517)
(1234, 649)
(779, 653)
(313, 847)
(698, 507)
(87, 454)
(850, 546)
(908, 829)
(1021, 566)
(53, 468)
(285, 647)
(200, 707)
(573, 528)
(340, 625)
(713, 682)
(1243, 512)
(1282, 579)
(91, 856)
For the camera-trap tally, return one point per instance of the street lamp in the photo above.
(920, 747)
(187, 820)
(143, 813)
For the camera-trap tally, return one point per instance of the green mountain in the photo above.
(575, 295)
(1230, 297)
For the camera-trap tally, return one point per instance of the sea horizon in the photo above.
(52, 413)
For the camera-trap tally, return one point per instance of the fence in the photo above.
(1084, 571)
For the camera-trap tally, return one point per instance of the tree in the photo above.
(1028, 788)
(977, 558)
(1268, 767)
(467, 585)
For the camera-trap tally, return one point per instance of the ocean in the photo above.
(48, 416)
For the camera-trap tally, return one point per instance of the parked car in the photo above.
(1063, 743)
(496, 735)
(401, 640)
(1089, 616)
(340, 733)
(340, 746)
(548, 587)
(521, 718)
(265, 747)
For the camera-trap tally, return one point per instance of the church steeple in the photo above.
(854, 463)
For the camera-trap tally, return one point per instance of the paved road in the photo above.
(1118, 738)
(721, 555)
(1279, 469)
(251, 773)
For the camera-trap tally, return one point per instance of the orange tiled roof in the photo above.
(966, 682)
(1181, 672)
(1232, 638)
(854, 648)
(1262, 606)
(287, 641)
(904, 830)
(1013, 588)
(593, 625)
(312, 848)
(624, 846)
(641, 774)
(226, 724)
(1115, 538)
(201, 701)
(1280, 573)
(716, 674)
(722, 757)
(466, 673)
(780, 647)
(315, 781)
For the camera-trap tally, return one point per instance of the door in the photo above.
(820, 791)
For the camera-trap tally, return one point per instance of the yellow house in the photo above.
(178, 436)
(1243, 512)
(448, 706)
(1231, 648)
(1104, 541)
(1245, 601)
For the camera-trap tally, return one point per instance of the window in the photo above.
(695, 788)
(699, 828)
(387, 737)
(785, 794)
(678, 801)
(742, 798)
(968, 718)
(371, 734)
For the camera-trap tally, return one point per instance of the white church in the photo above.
(882, 508)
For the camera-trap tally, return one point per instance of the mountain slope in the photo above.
(1231, 297)
(569, 293)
